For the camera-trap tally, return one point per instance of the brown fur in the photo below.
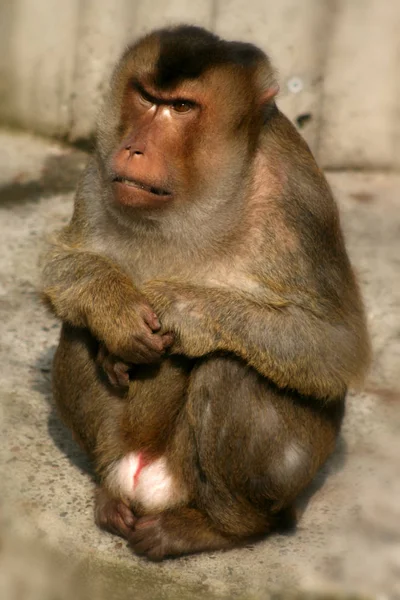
(240, 275)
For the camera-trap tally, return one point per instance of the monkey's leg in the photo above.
(92, 411)
(121, 432)
(175, 532)
(86, 403)
(256, 448)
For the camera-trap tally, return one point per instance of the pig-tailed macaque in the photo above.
(211, 319)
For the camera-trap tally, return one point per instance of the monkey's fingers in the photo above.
(118, 374)
(151, 319)
(150, 347)
(146, 538)
(167, 339)
(117, 371)
(141, 347)
(113, 515)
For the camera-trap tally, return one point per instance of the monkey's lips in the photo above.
(130, 191)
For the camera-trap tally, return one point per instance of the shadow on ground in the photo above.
(59, 433)
(59, 175)
(334, 464)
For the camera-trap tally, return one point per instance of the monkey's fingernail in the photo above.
(168, 338)
(156, 322)
(127, 516)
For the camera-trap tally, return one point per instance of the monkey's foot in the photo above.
(176, 532)
(113, 515)
(116, 370)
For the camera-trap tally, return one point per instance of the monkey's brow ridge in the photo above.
(157, 100)
(139, 87)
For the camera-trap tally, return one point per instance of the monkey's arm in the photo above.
(288, 344)
(88, 290)
(78, 285)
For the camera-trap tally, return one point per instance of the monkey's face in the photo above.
(149, 166)
(176, 138)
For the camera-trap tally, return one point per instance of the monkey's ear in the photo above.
(269, 94)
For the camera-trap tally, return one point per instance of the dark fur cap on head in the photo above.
(186, 51)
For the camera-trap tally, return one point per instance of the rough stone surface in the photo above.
(348, 539)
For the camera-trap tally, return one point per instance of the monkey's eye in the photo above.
(144, 99)
(182, 106)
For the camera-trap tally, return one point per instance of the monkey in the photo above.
(211, 319)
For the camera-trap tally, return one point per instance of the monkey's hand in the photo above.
(87, 290)
(184, 313)
(132, 335)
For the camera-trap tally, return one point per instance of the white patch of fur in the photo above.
(273, 418)
(155, 488)
(294, 457)
(292, 464)
(231, 278)
(120, 479)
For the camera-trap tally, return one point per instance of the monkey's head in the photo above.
(182, 118)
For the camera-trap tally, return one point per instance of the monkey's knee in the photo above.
(255, 443)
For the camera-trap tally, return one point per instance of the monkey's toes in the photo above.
(120, 375)
(147, 538)
(114, 516)
(117, 373)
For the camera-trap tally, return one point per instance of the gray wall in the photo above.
(338, 60)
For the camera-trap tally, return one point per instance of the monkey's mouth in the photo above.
(133, 183)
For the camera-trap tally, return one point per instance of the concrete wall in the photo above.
(339, 64)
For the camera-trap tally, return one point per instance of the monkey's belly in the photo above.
(147, 483)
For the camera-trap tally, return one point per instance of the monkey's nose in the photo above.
(134, 150)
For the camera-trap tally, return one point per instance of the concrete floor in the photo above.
(348, 539)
